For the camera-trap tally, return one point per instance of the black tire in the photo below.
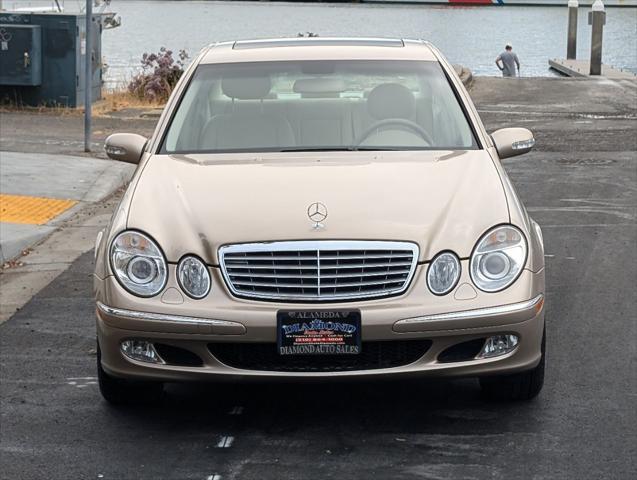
(519, 386)
(117, 391)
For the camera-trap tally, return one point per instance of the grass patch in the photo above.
(8, 107)
(117, 100)
(111, 101)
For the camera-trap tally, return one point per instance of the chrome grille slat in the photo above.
(310, 285)
(278, 285)
(358, 284)
(271, 275)
(364, 265)
(268, 258)
(374, 274)
(271, 267)
(318, 270)
(362, 257)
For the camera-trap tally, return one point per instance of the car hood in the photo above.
(197, 203)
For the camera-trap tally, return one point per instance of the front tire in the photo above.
(519, 386)
(117, 391)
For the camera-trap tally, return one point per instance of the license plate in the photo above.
(322, 332)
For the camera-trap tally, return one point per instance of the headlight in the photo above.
(193, 277)
(498, 258)
(138, 264)
(443, 273)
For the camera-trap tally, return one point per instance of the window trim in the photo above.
(161, 150)
(463, 107)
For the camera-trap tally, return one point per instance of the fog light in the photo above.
(498, 345)
(140, 350)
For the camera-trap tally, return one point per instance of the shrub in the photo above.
(159, 75)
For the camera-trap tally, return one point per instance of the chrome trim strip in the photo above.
(318, 246)
(477, 313)
(318, 41)
(136, 315)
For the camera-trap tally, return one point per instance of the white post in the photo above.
(571, 44)
(597, 18)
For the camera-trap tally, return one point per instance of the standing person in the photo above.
(507, 61)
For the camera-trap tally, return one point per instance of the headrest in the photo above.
(391, 100)
(319, 85)
(246, 88)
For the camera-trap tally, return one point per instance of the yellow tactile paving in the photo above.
(31, 210)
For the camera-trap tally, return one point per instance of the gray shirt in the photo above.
(509, 61)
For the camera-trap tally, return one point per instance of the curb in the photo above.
(93, 181)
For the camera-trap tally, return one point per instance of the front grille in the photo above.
(265, 357)
(318, 271)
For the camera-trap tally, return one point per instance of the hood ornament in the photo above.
(317, 213)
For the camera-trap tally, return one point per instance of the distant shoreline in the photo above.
(473, 3)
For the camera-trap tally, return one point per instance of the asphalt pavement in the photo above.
(63, 133)
(580, 184)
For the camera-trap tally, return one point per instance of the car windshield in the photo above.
(318, 105)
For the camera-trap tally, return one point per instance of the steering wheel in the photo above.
(399, 122)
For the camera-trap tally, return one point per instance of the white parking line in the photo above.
(81, 382)
(620, 212)
(214, 476)
(225, 442)
(588, 225)
(236, 410)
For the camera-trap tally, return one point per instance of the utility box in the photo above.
(20, 55)
(53, 48)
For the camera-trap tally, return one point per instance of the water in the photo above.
(471, 36)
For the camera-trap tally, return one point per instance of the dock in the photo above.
(580, 68)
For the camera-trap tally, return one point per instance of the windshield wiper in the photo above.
(338, 149)
(318, 149)
(376, 149)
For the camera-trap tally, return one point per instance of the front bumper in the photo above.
(444, 322)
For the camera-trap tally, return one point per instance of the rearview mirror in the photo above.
(510, 142)
(125, 147)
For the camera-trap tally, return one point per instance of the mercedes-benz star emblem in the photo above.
(317, 213)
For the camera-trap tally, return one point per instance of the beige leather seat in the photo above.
(238, 130)
(392, 107)
(321, 118)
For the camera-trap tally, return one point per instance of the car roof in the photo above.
(318, 48)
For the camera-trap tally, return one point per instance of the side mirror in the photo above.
(125, 147)
(510, 142)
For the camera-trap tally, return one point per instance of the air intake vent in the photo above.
(265, 357)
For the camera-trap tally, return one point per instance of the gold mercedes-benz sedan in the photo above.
(319, 207)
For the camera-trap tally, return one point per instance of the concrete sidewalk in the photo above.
(39, 191)
(56, 196)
